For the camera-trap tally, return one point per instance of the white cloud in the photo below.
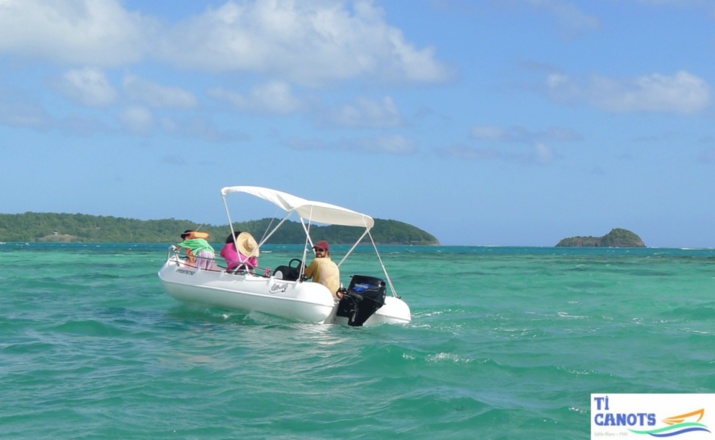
(81, 125)
(156, 95)
(570, 19)
(306, 42)
(197, 128)
(675, 2)
(523, 135)
(569, 16)
(84, 32)
(274, 98)
(470, 153)
(397, 144)
(366, 112)
(679, 93)
(88, 86)
(539, 154)
(19, 110)
(137, 120)
(542, 154)
(490, 132)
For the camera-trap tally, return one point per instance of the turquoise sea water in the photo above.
(505, 343)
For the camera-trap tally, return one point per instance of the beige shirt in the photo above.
(325, 272)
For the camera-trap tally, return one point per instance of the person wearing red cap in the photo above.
(323, 270)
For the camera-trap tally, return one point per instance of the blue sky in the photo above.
(504, 122)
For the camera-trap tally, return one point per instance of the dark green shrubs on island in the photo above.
(51, 227)
(616, 238)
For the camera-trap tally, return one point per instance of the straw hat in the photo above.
(247, 245)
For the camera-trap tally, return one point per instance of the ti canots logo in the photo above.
(646, 423)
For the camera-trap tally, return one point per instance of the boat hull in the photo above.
(299, 301)
(292, 300)
(394, 311)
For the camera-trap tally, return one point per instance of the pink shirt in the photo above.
(234, 258)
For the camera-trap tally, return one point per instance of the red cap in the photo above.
(322, 245)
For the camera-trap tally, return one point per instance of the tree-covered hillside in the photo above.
(30, 227)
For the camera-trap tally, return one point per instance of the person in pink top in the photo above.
(240, 249)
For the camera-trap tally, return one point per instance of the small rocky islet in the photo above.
(617, 238)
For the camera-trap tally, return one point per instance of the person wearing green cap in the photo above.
(199, 251)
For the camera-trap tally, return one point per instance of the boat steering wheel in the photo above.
(299, 267)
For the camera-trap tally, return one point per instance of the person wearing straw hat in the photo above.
(323, 270)
(240, 249)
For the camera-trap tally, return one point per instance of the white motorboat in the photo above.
(285, 292)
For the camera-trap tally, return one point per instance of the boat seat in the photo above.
(289, 272)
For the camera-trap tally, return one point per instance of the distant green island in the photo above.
(616, 238)
(52, 227)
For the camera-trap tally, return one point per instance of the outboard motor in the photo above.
(364, 296)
